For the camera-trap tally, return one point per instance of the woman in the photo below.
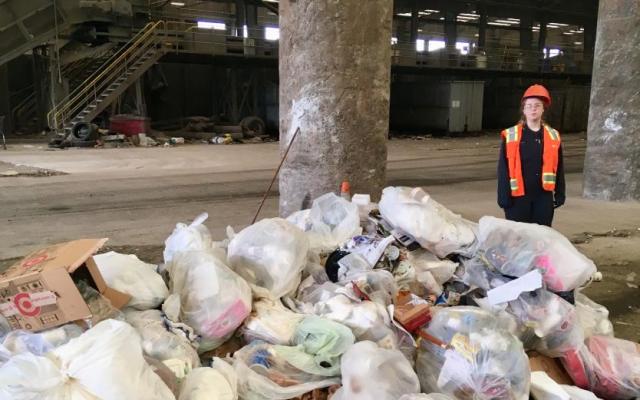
(530, 169)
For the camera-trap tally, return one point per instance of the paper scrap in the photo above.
(545, 388)
(511, 290)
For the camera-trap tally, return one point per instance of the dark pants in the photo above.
(537, 209)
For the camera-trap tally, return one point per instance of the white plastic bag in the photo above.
(104, 363)
(430, 271)
(368, 320)
(127, 274)
(216, 383)
(208, 295)
(160, 343)
(271, 322)
(373, 373)
(16, 342)
(516, 248)
(271, 254)
(193, 237)
(433, 226)
(331, 222)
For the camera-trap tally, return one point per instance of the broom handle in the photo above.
(286, 153)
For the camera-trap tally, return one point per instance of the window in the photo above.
(550, 53)
(420, 45)
(463, 47)
(436, 45)
(219, 26)
(394, 40)
(271, 33)
(245, 31)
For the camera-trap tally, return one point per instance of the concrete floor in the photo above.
(135, 196)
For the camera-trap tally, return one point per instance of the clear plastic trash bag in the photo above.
(432, 225)
(206, 295)
(516, 248)
(370, 372)
(482, 359)
(271, 254)
(607, 366)
(105, 362)
(330, 222)
(263, 375)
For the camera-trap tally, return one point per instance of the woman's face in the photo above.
(533, 108)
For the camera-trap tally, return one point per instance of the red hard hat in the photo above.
(538, 91)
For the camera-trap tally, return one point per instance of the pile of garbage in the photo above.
(348, 300)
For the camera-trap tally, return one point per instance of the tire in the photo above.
(84, 132)
(252, 126)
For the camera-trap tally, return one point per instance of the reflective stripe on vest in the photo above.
(548, 177)
(551, 145)
(514, 184)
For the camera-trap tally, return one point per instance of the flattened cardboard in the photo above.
(555, 370)
(48, 272)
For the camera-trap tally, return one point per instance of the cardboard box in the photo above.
(39, 292)
(410, 311)
(553, 368)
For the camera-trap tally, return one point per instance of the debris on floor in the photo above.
(348, 300)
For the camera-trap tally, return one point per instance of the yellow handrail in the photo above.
(108, 62)
(112, 64)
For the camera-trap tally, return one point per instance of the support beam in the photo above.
(337, 93)
(241, 17)
(414, 21)
(526, 33)
(589, 38)
(612, 162)
(450, 29)
(542, 36)
(482, 26)
(5, 102)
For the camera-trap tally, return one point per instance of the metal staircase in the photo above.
(106, 84)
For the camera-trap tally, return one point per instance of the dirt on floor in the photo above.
(8, 170)
(617, 255)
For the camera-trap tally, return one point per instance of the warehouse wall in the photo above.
(419, 104)
(179, 90)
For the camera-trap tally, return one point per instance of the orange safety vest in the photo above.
(550, 150)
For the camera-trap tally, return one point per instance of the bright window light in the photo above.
(463, 47)
(420, 45)
(219, 26)
(177, 3)
(271, 33)
(550, 53)
(394, 40)
(436, 45)
(245, 31)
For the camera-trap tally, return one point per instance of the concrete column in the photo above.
(482, 27)
(414, 21)
(526, 43)
(337, 92)
(526, 33)
(5, 103)
(241, 17)
(542, 37)
(612, 162)
(589, 40)
(450, 30)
